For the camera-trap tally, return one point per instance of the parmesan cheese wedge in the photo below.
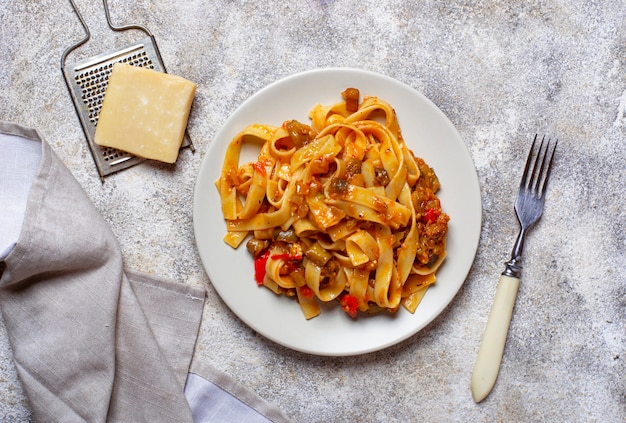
(145, 112)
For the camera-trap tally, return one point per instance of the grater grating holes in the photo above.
(111, 154)
(93, 81)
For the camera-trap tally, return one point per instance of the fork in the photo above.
(528, 207)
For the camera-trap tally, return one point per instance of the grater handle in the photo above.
(133, 26)
(123, 27)
(79, 43)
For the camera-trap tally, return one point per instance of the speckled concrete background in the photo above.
(500, 70)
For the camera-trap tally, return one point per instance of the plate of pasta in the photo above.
(337, 212)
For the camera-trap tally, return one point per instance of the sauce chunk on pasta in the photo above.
(336, 210)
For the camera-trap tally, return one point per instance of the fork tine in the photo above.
(535, 175)
(525, 181)
(542, 189)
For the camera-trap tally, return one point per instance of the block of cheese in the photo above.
(145, 112)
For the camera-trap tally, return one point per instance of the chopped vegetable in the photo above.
(300, 134)
(353, 168)
(351, 96)
(286, 236)
(318, 254)
(256, 246)
(431, 215)
(306, 292)
(285, 256)
(432, 260)
(382, 177)
(349, 304)
(259, 267)
(259, 167)
(338, 186)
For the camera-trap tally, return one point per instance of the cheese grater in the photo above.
(87, 81)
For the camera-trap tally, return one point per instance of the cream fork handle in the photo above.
(492, 346)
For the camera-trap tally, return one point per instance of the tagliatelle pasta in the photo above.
(339, 209)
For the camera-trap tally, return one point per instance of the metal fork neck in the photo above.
(513, 269)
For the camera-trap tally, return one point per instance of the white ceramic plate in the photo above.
(426, 130)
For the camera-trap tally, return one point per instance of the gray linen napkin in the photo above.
(91, 342)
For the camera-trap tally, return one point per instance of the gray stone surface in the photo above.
(500, 70)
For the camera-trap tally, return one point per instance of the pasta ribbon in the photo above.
(339, 209)
(361, 248)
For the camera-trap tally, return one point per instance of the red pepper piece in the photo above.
(259, 167)
(431, 215)
(284, 256)
(290, 261)
(306, 292)
(349, 304)
(259, 267)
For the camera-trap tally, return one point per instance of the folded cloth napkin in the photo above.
(92, 341)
